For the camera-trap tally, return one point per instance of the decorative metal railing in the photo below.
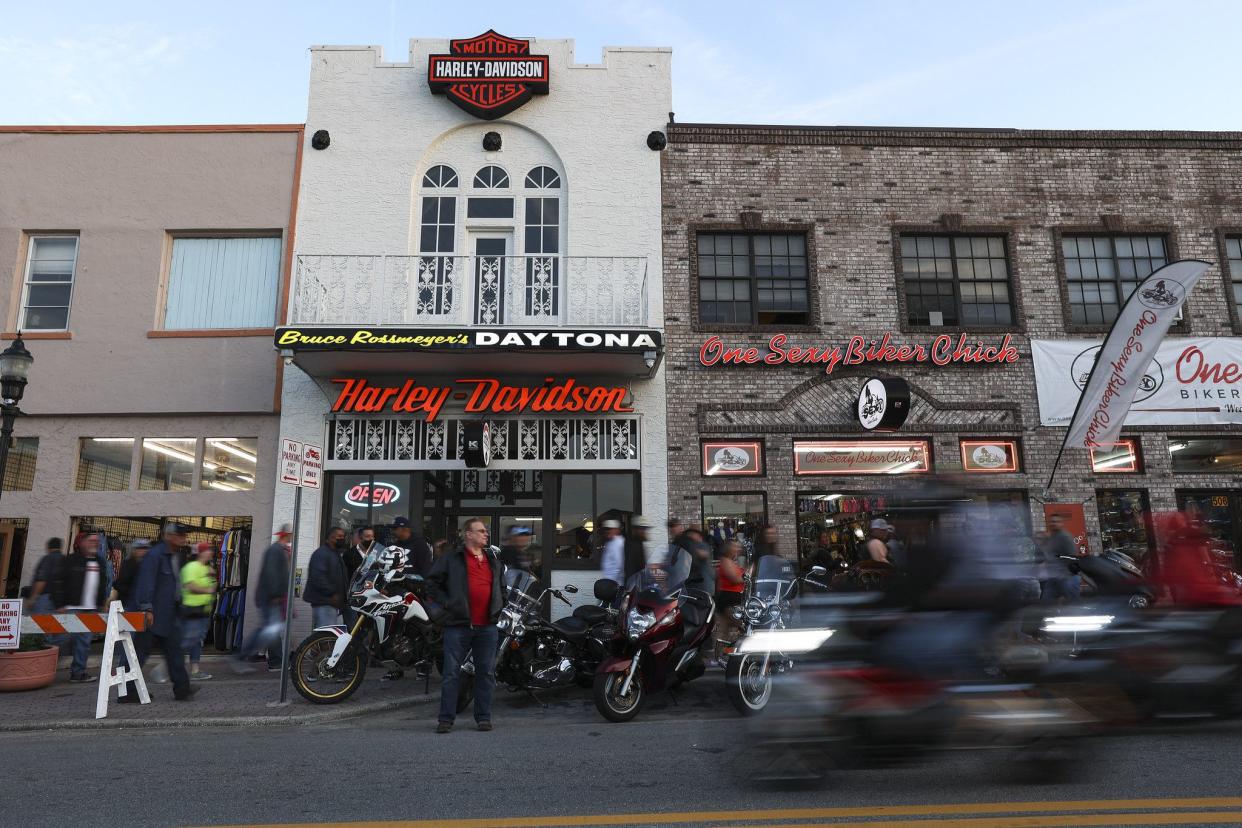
(470, 290)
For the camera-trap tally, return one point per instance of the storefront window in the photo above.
(1125, 522)
(1204, 456)
(586, 501)
(229, 463)
(104, 464)
(390, 498)
(574, 513)
(167, 463)
(735, 515)
(1122, 457)
(1219, 515)
(834, 524)
(20, 471)
(350, 499)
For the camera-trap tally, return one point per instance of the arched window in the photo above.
(542, 178)
(491, 177)
(440, 176)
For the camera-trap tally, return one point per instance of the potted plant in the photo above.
(31, 666)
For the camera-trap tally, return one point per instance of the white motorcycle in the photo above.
(391, 625)
(768, 609)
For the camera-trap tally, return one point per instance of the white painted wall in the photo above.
(359, 196)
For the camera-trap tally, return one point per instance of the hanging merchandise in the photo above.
(233, 561)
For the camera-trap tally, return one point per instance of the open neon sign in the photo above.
(381, 494)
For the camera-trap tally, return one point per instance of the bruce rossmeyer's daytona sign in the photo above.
(467, 339)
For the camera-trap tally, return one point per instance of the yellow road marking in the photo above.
(874, 812)
(1068, 820)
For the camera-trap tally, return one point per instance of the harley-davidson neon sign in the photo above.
(481, 396)
(488, 76)
(945, 349)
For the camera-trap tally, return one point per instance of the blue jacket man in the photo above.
(158, 593)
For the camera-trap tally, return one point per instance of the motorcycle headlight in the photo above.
(755, 610)
(503, 623)
(1076, 623)
(785, 641)
(637, 623)
(737, 614)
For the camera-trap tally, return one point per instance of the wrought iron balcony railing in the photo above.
(470, 290)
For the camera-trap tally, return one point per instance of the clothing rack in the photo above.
(232, 565)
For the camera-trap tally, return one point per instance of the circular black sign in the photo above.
(883, 404)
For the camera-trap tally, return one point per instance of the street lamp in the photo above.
(15, 363)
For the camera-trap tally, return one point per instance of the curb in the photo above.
(219, 721)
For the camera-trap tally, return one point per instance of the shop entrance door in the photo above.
(6, 551)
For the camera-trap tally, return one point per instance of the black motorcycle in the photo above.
(536, 654)
(1113, 575)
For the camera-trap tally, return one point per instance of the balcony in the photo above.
(509, 291)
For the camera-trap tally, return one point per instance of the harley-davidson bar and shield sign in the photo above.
(488, 76)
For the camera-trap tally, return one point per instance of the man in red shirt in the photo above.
(464, 586)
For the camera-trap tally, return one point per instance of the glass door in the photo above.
(491, 252)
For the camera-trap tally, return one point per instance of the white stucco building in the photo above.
(426, 237)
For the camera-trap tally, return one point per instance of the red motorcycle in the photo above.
(657, 644)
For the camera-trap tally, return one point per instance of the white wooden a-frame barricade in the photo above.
(118, 631)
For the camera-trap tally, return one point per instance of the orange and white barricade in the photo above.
(117, 627)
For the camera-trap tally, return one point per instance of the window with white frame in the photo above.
(48, 288)
(223, 283)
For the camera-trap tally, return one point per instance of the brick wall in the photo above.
(854, 189)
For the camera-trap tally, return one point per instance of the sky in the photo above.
(1107, 64)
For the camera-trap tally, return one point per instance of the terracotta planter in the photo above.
(28, 671)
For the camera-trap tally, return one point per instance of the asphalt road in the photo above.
(568, 766)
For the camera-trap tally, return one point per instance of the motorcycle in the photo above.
(847, 706)
(657, 644)
(1150, 664)
(391, 625)
(535, 654)
(1113, 575)
(749, 669)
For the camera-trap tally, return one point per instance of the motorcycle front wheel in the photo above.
(749, 686)
(609, 700)
(312, 678)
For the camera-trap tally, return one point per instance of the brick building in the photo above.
(822, 234)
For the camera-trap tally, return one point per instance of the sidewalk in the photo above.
(225, 700)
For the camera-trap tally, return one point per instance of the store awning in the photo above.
(328, 353)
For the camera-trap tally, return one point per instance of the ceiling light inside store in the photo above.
(112, 439)
(171, 452)
(1124, 460)
(223, 443)
(1178, 446)
(247, 478)
(216, 484)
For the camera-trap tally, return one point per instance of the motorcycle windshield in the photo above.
(663, 584)
(774, 577)
(519, 585)
(366, 570)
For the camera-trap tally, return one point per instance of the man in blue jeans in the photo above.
(269, 599)
(465, 587)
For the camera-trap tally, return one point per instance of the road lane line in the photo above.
(873, 812)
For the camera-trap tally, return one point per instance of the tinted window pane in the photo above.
(104, 464)
(1202, 456)
(489, 208)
